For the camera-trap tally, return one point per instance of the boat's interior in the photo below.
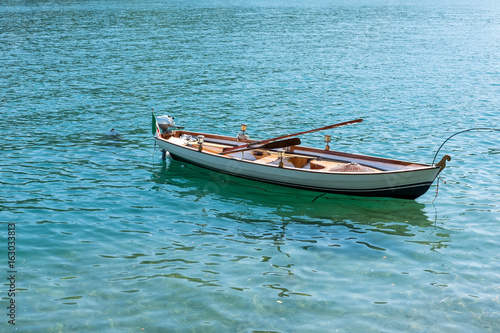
(290, 157)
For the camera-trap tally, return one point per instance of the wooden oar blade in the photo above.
(270, 145)
(281, 144)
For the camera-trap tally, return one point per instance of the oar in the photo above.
(270, 145)
(248, 145)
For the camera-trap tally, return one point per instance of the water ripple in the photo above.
(107, 231)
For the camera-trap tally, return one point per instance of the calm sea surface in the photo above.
(110, 238)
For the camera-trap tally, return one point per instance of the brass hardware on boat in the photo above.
(201, 139)
(328, 138)
(281, 154)
(242, 135)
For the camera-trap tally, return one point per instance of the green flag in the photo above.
(155, 129)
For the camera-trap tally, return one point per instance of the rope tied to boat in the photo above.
(460, 188)
(437, 187)
(467, 130)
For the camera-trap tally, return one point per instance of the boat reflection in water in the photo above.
(276, 207)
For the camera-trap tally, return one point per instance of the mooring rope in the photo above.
(437, 187)
(439, 179)
(467, 130)
(451, 136)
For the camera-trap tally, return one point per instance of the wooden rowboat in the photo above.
(287, 163)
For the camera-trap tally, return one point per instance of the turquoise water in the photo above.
(110, 238)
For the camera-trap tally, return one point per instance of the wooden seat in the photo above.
(267, 159)
(315, 164)
(299, 162)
